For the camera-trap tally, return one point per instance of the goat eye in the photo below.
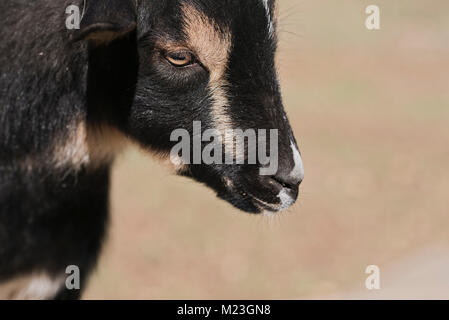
(180, 58)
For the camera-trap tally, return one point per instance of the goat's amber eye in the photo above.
(180, 58)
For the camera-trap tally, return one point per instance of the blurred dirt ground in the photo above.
(370, 110)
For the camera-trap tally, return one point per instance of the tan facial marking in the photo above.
(212, 47)
(210, 44)
(228, 183)
(176, 165)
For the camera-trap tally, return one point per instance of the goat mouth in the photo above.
(263, 205)
(257, 198)
(283, 200)
(248, 193)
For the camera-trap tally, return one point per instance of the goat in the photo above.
(135, 71)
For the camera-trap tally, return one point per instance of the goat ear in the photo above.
(106, 20)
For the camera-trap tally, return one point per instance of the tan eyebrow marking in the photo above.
(210, 43)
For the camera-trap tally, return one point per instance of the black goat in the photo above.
(136, 70)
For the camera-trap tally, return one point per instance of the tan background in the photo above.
(370, 110)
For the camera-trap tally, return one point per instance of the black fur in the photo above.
(50, 77)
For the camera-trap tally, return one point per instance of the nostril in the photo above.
(287, 182)
(282, 183)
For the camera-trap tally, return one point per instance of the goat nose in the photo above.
(291, 171)
(288, 181)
